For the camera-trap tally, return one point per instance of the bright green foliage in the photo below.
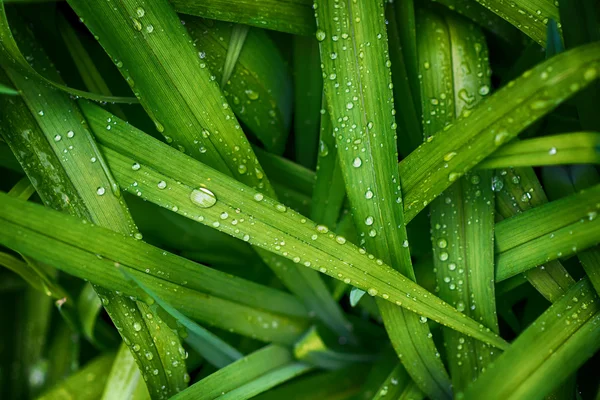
(299, 199)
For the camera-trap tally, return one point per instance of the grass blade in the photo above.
(246, 377)
(360, 102)
(286, 16)
(556, 344)
(312, 245)
(462, 218)
(124, 376)
(568, 148)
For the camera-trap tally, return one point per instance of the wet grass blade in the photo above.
(258, 86)
(550, 231)
(216, 200)
(520, 190)
(247, 377)
(354, 51)
(530, 16)
(462, 218)
(426, 173)
(124, 376)
(556, 344)
(568, 148)
(294, 16)
(398, 385)
(155, 53)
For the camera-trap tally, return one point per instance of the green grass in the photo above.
(338, 200)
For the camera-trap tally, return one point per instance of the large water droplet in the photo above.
(203, 197)
(357, 162)
(320, 35)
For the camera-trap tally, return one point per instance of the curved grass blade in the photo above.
(568, 148)
(234, 48)
(547, 232)
(12, 57)
(162, 61)
(308, 94)
(556, 344)
(81, 184)
(398, 385)
(258, 89)
(407, 32)
(484, 18)
(217, 200)
(426, 173)
(247, 377)
(361, 107)
(294, 16)
(8, 91)
(454, 65)
(80, 259)
(208, 345)
(520, 190)
(529, 16)
(87, 383)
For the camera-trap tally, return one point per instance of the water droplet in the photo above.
(369, 194)
(135, 166)
(369, 221)
(484, 90)
(552, 151)
(57, 138)
(137, 326)
(590, 74)
(140, 12)
(259, 197)
(442, 243)
(340, 239)
(405, 244)
(251, 94)
(320, 35)
(443, 256)
(280, 208)
(372, 292)
(357, 162)
(372, 233)
(137, 24)
(449, 156)
(453, 176)
(350, 105)
(70, 134)
(149, 355)
(162, 184)
(242, 169)
(451, 266)
(423, 319)
(203, 197)
(100, 191)
(497, 183)
(224, 215)
(149, 28)
(323, 149)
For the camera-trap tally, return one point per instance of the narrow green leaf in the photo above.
(568, 148)
(155, 51)
(529, 16)
(354, 51)
(294, 16)
(221, 196)
(398, 385)
(236, 43)
(556, 344)
(12, 56)
(87, 383)
(547, 232)
(124, 376)
(554, 43)
(520, 190)
(308, 94)
(462, 218)
(426, 173)
(247, 377)
(6, 90)
(208, 345)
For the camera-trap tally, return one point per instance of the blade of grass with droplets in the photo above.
(353, 46)
(236, 380)
(453, 61)
(425, 173)
(11, 55)
(550, 231)
(547, 352)
(409, 127)
(78, 184)
(308, 94)
(484, 18)
(407, 32)
(519, 190)
(294, 16)
(153, 49)
(124, 376)
(77, 255)
(258, 88)
(209, 197)
(86, 384)
(529, 16)
(568, 148)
